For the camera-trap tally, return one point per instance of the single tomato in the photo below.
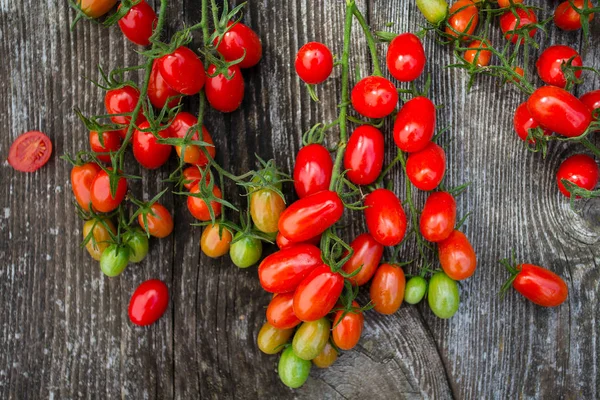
(405, 57)
(110, 143)
(364, 154)
(567, 18)
(549, 64)
(477, 55)
(347, 328)
(463, 19)
(183, 71)
(139, 22)
(280, 312)
(215, 241)
(312, 170)
(157, 222)
(146, 149)
(82, 177)
(240, 41)
(314, 63)
(30, 151)
(282, 271)
(225, 93)
(101, 196)
(181, 127)
(415, 124)
(149, 302)
(385, 217)
(513, 21)
(559, 111)
(367, 255)
(540, 285)
(438, 217)
(101, 238)
(316, 295)
(198, 207)
(579, 169)
(387, 289)
(374, 97)
(426, 168)
(457, 256)
(523, 122)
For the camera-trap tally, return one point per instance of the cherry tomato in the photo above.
(284, 243)
(457, 256)
(266, 207)
(245, 251)
(442, 295)
(310, 339)
(149, 302)
(367, 255)
(434, 11)
(280, 312)
(426, 168)
(198, 207)
(101, 236)
(523, 122)
(506, 3)
(347, 329)
(327, 357)
(463, 19)
(415, 290)
(591, 100)
(215, 242)
(415, 124)
(312, 171)
(240, 41)
(483, 58)
(225, 94)
(158, 221)
(550, 61)
(137, 241)
(30, 151)
(180, 126)
(282, 271)
(158, 90)
(121, 101)
(112, 143)
(540, 286)
(192, 175)
(508, 23)
(182, 70)
(271, 340)
(405, 57)
(567, 19)
(114, 260)
(311, 216)
(146, 149)
(387, 289)
(314, 63)
(139, 22)
(385, 217)
(82, 177)
(316, 295)
(293, 371)
(580, 169)
(559, 111)
(363, 159)
(102, 198)
(374, 97)
(96, 8)
(438, 217)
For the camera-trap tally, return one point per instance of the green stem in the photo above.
(590, 147)
(370, 40)
(388, 168)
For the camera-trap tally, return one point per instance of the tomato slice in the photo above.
(30, 151)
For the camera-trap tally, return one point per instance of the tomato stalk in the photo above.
(370, 40)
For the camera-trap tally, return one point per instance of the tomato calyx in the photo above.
(145, 209)
(511, 266)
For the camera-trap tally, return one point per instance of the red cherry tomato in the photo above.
(198, 207)
(508, 23)
(224, 94)
(316, 295)
(312, 170)
(146, 149)
(82, 177)
(121, 101)
(385, 217)
(523, 122)
(159, 220)
(180, 126)
(387, 289)
(280, 312)
(282, 271)
(367, 255)
(102, 199)
(310, 216)
(182, 70)
(112, 143)
(364, 155)
(158, 90)
(149, 302)
(405, 57)
(483, 58)
(415, 124)
(463, 19)
(591, 100)
(374, 97)
(540, 286)
(95, 8)
(566, 18)
(347, 328)
(559, 111)
(426, 168)
(314, 63)
(438, 217)
(550, 61)
(139, 22)
(284, 243)
(237, 40)
(580, 169)
(192, 175)
(30, 151)
(457, 256)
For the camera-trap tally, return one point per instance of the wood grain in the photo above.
(64, 331)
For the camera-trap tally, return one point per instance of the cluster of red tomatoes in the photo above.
(309, 302)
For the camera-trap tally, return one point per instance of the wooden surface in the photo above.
(64, 331)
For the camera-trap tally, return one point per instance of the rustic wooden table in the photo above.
(64, 331)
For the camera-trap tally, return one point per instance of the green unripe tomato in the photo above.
(443, 295)
(246, 251)
(293, 371)
(137, 241)
(114, 260)
(434, 11)
(311, 338)
(415, 289)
